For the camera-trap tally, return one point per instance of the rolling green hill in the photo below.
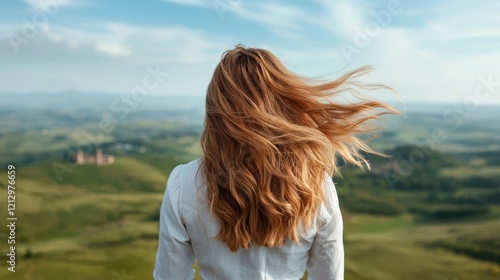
(100, 222)
(434, 216)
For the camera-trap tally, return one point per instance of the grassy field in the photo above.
(100, 223)
(440, 220)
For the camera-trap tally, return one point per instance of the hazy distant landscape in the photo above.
(430, 211)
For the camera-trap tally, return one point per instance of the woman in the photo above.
(261, 203)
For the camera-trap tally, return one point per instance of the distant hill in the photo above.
(77, 100)
(95, 101)
(142, 174)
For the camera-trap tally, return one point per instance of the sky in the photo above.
(431, 51)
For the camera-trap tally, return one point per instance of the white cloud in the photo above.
(113, 48)
(195, 3)
(425, 54)
(477, 33)
(110, 57)
(342, 17)
(413, 65)
(53, 5)
(279, 18)
(466, 20)
(419, 58)
(41, 3)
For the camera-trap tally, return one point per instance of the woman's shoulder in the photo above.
(193, 165)
(185, 178)
(184, 169)
(182, 187)
(331, 203)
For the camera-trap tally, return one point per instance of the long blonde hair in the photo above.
(270, 138)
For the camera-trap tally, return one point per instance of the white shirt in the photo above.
(188, 231)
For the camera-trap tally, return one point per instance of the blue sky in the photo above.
(427, 50)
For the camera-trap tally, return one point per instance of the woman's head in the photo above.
(270, 138)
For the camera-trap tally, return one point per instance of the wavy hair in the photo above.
(270, 138)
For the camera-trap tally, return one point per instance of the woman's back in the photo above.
(189, 232)
(260, 203)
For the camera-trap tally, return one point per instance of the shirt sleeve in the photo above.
(326, 257)
(175, 257)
